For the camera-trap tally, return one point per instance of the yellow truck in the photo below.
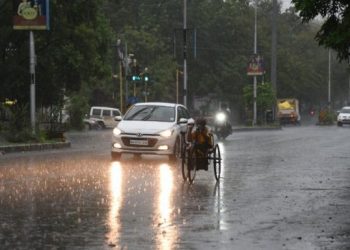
(288, 111)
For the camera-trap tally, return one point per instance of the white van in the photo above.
(104, 116)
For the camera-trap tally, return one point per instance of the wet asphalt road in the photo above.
(282, 189)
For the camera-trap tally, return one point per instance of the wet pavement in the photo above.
(283, 189)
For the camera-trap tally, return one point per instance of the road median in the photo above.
(22, 147)
(257, 128)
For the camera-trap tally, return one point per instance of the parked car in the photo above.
(104, 117)
(151, 128)
(343, 116)
(91, 124)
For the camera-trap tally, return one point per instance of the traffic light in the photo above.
(146, 77)
(136, 78)
(135, 73)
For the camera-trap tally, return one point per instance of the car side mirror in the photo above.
(183, 121)
(118, 118)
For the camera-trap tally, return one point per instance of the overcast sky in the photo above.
(285, 4)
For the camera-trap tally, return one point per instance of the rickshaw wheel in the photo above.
(192, 165)
(217, 162)
(184, 162)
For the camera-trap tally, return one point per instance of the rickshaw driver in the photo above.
(202, 138)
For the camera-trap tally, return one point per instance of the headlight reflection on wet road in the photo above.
(219, 193)
(115, 186)
(222, 152)
(167, 235)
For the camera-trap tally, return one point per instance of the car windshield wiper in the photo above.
(146, 117)
(136, 113)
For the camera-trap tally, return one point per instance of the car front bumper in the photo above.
(344, 121)
(133, 144)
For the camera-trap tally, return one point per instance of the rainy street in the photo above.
(279, 189)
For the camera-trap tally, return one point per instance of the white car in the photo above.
(104, 117)
(343, 116)
(151, 128)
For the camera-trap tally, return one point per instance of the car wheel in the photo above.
(177, 151)
(339, 124)
(100, 125)
(116, 156)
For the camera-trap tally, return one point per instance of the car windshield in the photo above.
(151, 113)
(347, 111)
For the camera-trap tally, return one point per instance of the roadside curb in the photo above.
(243, 129)
(33, 147)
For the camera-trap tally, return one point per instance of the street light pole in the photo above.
(255, 79)
(121, 86)
(274, 46)
(146, 84)
(349, 83)
(32, 79)
(349, 88)
(121, 58)
(329, 79)
(185, 51)
(177, 84)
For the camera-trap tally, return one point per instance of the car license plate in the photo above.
(139, 142)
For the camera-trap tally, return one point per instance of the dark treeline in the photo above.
(78, 56)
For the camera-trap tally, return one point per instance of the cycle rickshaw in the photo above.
(194, 159)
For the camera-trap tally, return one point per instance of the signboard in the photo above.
(256, 66)
(31, 15)
(133, 100)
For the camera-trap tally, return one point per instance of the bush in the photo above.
(77, 110)
(326, 117)
(18, 127)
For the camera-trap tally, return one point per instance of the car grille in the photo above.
(150, 141)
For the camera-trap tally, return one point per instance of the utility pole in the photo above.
(126, 66)
(348, 102)
(274, 47)
(255, 53)
(185, 51)
(177, 84)
(349, 88)
(145, 73)
(32, 79)
(329, 79)
(121, 86)
(121, 58)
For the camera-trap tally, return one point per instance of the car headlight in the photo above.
(116, 131)
(166, 133)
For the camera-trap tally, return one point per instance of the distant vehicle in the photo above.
(312, 112)
(104, 117)
(151, 128)
(288, 111)
(222, 126)
(343, 116)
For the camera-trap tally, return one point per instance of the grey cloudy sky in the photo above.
(285, 4)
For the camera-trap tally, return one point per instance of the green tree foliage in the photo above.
(334, 32)
(79, 53)
(77, 111)
(266, 100)
(75, 51)
(18, 127)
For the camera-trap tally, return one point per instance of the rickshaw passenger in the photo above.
(202, 138)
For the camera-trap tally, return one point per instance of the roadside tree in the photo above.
(334, 32)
